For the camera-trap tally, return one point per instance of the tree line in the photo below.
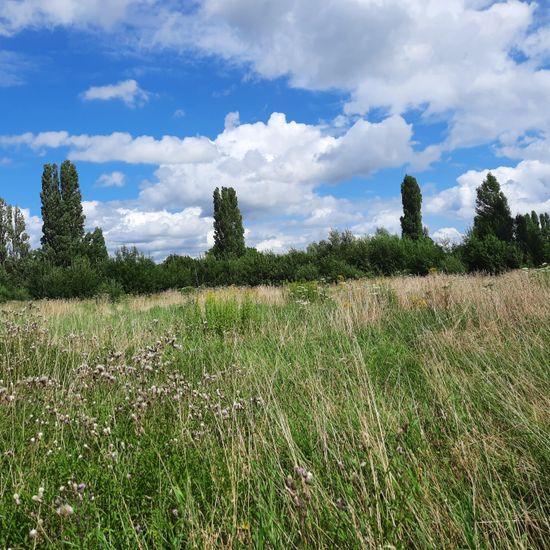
(74, 263)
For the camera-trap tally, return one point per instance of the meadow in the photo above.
(404, 412)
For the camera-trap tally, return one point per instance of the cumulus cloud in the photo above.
(479, 65)
(527, 187)
(274, 164)
(113, 179)
(127, 91)
(155, 232)
(454, 59)
(118, 146)
(33, 226)
(448, 236)
(16, 15)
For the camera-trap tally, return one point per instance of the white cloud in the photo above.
(16, 15)
(127, 91)
(119, 146)
(155, 232)
(273, 165)
(448, 236)
(454, 60)
(527, 187)
(33, 226)
(113, 179)
(276, 166)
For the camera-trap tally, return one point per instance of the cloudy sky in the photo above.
(312, 109)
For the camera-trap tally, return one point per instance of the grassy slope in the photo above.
(411, 413)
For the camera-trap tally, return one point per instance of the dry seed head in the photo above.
(65, 510)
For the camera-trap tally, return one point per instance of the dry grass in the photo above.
(404, 413)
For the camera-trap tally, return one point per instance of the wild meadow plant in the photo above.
(395, 413)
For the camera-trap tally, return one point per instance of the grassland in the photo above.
(401, 413)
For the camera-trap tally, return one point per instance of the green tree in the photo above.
(20, 246)
(52, 213)
(493, 215)
(73, 216)
(544, 220)
(94, 247)
(62, 214)
(228, 225)
(411, 221)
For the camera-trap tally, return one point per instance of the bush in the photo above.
(386, 254)
(452, 264)
(307, 272)
(422, 255)
(111, 289)
(8, 294)
(334, 269)
(490, 255)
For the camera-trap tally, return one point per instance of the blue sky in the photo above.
(312, 109)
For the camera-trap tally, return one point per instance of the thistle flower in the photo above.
(65, 510)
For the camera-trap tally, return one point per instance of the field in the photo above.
(397, 413)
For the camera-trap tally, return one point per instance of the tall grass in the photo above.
(398, 413)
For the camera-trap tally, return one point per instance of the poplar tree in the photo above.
(493, 216)
(411, 221)
(62, 214)
(228, 225)
(73, 216)
(52, 219)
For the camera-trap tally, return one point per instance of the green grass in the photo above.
(415, 414)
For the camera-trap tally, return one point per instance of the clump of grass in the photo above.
(406, 413)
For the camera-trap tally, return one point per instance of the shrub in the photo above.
(307, 272)
(452, 264)
(490, 254)
(422, 255)
(111, 289)
(386, 254)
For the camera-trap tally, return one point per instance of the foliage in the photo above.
(72, 263)
(490, 254)
(411, 221)
(411, 414)
(493, 215)
(228, 225)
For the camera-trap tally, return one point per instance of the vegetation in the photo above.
(228, 225)
(393, 413)
(75, 264)
(411, 221)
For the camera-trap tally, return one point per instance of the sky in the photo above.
(313, 110)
